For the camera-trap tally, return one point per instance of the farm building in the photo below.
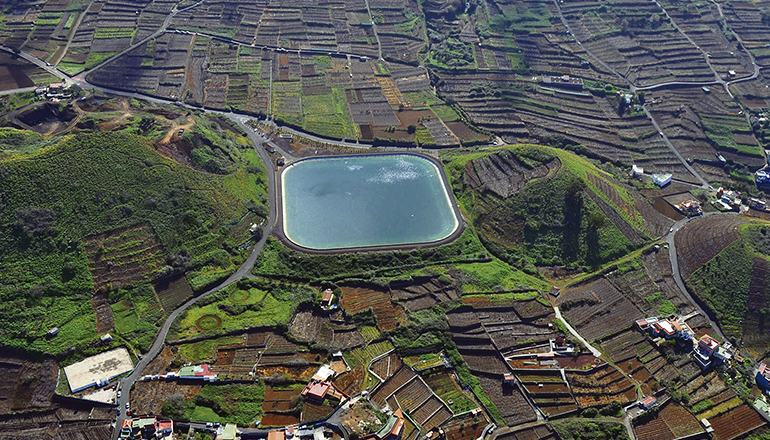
(98, 369)
(648, 402)
(661, 179)
(636, 171)
(198, 372)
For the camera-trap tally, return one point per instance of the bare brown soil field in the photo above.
(28, 383)
(123, 256)
(388, 315)
(279, 419)
(673, 421)
(736, 422)
(310, 325)
(280, 401)
(702, 239)
(350, 382)
(597, 309)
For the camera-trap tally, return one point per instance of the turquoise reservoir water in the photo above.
(355, 201)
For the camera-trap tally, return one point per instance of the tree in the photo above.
(412, 129)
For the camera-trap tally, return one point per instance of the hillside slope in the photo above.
(544, 206)
(90, 213)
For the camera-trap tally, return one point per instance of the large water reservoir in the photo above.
(363, 201)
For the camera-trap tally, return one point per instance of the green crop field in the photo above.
(249, 304)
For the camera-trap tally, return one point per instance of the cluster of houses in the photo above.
(728, 200)
(190, 372)
(147, 428)
(55, 91)
(706, 351)
(304, 432)
(690, 208)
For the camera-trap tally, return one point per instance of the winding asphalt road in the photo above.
(127, 382)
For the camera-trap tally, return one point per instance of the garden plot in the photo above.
(597, 309)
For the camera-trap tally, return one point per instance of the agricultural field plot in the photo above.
(124, 256)
(736, 422)
(173, 291)
(484, 362)
(78, 39)
(358, 299)
(746, 20)
(702, 239)
(597, 309)
(28, 383)
(423, 293)
(137, 315)
(17, 73)
(445, 387)
(549, 392)
(601, 386)
(537, 432)
(312, 326)
(280, 402)
(508, 329)
(683, 114)
(464, 426)
(648, 283)
(526, 111)
(387, 366)
(672, 421)
(635, 355)
(62, 421)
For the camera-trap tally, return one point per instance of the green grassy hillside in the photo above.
(562, 209)
(55, 202)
